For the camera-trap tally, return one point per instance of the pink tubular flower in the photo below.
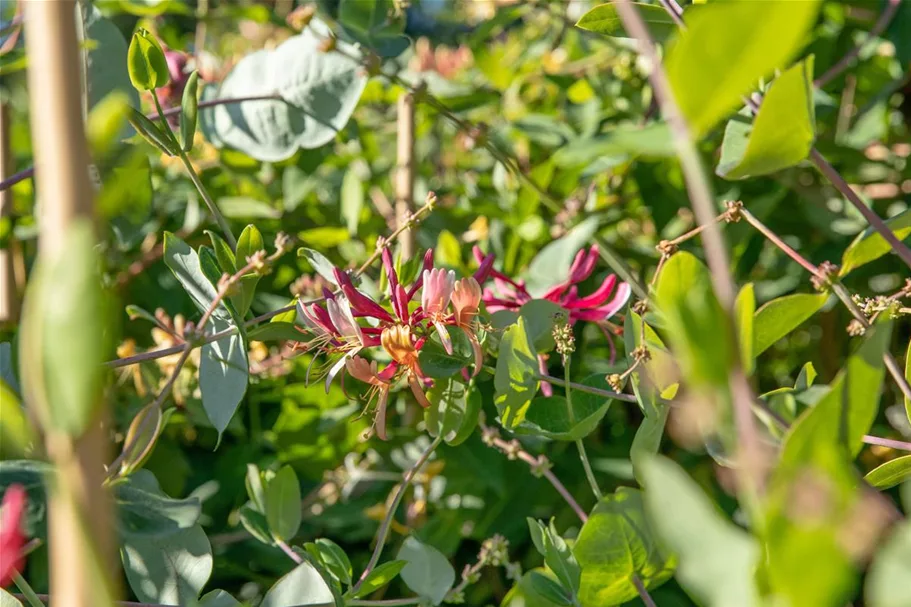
(361, 305)
(12, 539)
(338, 333)
(466, 299)
(600, 305)
(435, 297)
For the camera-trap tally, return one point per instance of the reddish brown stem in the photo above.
(878, 28)
(872, 218)
(778, 242)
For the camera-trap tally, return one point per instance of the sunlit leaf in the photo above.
(782, 133)
(716, 559)
(727, 48)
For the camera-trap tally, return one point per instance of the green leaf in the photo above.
(375, 24)
(245, 207)
(184, 263)
(815, 467)
(63, 342)
(547, 588)
(283, 503)
(152, 133)
(223, 367)
(780, 316)
(427, 572)
(614, 545)
(145, 511)
(782, 133)
(141, 437)
(105, 61)
(333, 558)
(105, 124)
(189, 111)
(552, 263)
(218, 598)
(379, 577)
(318, 92)
(548, 416)
(8, 600)
(844, 415)
(223, 252)
(892, 473)
(250, 242)
(320, 264)
(434, 360)
(276, 331)
(16, 434)
(727, 48)
(603, 19)
(652, 141)
(453, 412)
(744, 309)
(169, 570)
(447, 253)
(223, 376)
(694, 321)
(301, 587)
(870, 245)
(352, 197)
(716, 559)
(146, 63)
(541, 315)
(647, 440)
(255, 523)
(256, 490)
(515, 381)
(557, 555)
(891, 568)
(286, 317)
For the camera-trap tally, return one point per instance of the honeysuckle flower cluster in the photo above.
(604, 302)
(401, 332)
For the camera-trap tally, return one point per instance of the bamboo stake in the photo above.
(9, 295)
(79, 519)
(404, 174)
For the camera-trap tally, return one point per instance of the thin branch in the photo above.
(887, 442)
(174, 111)
(589, 389)
(287, 550)
(838, 289)
(716, 254)
(589, 474)
(778, 242)
(540, 464)
(872, 218)
(675, 11)
(643, 593)
(878, 28)
(383, 532)
(17, 177)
